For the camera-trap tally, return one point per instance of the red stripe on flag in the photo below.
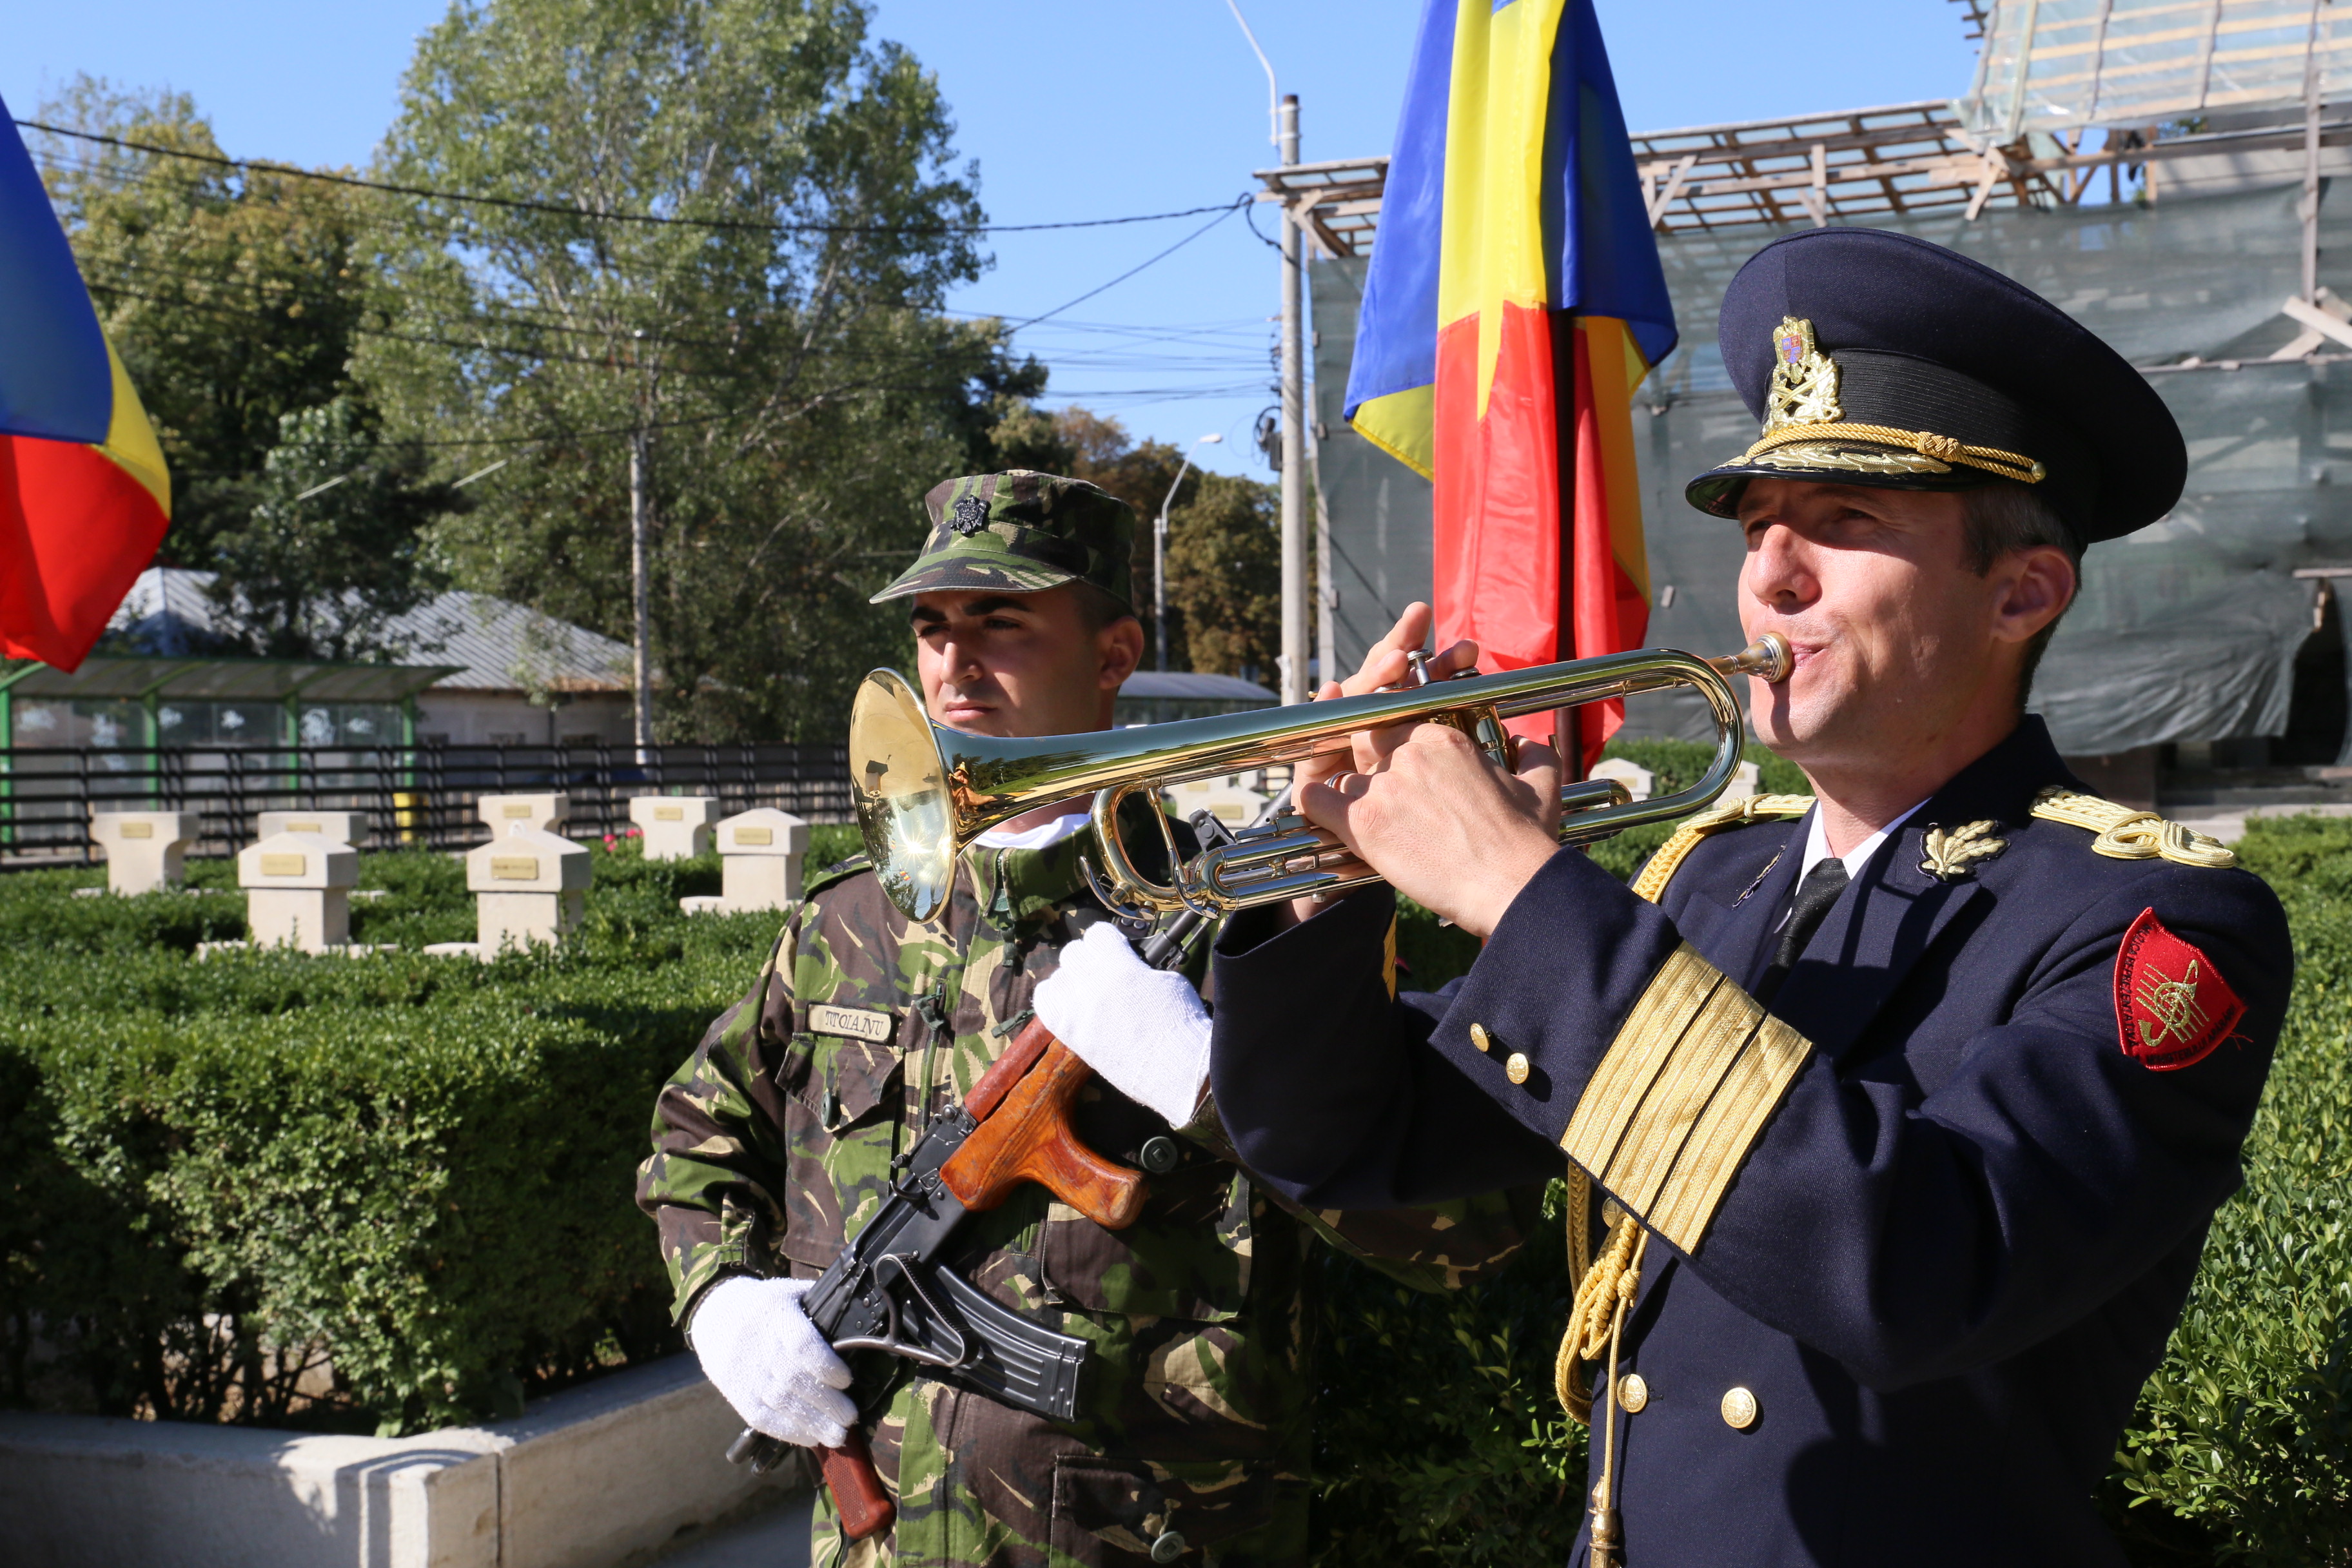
(1609, 612)
(1494, 557)
(75, 533)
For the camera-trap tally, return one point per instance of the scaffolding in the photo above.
(2203, 630)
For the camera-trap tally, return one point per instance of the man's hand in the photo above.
(1386, 664)
(759, 1349)
(1445, 826)
(1143, 1029)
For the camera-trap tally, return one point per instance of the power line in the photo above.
(563, 209)
(1222, 214)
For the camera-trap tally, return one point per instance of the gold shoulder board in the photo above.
(1652, 883)
(2124, 833)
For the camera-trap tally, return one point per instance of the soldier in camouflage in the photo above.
(773, 1144)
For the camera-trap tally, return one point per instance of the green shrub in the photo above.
(385, 1192)
(1679, 764)
(2244, 1437)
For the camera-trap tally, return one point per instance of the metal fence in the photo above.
(421, 797)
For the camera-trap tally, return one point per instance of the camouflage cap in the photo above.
(1021, 533)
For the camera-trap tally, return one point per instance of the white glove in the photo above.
(759, 1349)
(1145, 1029)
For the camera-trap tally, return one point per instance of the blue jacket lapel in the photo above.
(1726, 922)
(1895, 911)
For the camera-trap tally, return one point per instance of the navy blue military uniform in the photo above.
(1919, 1229)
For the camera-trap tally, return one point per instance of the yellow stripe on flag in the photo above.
(1492, 254)
(1619, 368)
(131, 440)
(1404, 426)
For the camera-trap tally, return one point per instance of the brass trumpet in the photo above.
(924, 791)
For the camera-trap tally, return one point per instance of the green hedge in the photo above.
(219, 1172)
(416, 1170)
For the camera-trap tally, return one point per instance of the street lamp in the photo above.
(1159, 549)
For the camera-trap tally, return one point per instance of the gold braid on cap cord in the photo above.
(1941, 448)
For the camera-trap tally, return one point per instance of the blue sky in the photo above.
(1073, 110)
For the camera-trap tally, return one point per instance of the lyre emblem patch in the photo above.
(2172, 1007)
(1953, 852)
(1804, 389)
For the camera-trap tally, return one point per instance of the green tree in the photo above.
(1139, 473)
(1224, 578)
(719, 425)
(233, 296)
(330, 551)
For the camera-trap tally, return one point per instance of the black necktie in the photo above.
(1815, 894)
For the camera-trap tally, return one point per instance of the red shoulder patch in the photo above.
(2172, 1007)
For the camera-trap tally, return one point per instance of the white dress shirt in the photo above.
(1817, 850)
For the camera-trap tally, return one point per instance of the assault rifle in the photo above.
(888, 1290)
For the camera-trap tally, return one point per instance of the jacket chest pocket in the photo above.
(842, 1104)
(1187, 1257)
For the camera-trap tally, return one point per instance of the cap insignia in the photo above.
(1804, 389)
(968, 516)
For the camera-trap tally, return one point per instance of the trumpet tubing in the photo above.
(924, 791)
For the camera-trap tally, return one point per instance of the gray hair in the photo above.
(2000, 518)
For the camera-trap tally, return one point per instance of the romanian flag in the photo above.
(1513, 302)
(84, 499)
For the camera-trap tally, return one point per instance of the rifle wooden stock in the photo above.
(859, 1496)
(1027, 1136)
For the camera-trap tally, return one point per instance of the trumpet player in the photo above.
(1896, 1114)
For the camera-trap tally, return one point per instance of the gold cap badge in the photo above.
(1804, 388)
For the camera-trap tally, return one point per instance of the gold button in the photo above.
(1632, 1393)
(1516, 1070)
(1739, 1408)
(1478, 1037)
(1612, 1214)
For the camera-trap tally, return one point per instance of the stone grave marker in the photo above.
(298, 890)
(760, 856)
(145, 850)
(528, 886)
(343, 826)
(547, 813)
(675, 827)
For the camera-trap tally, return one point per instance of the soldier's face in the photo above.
(1899, 644)
(993, 663)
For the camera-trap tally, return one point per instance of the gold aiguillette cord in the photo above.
(1605, 1294)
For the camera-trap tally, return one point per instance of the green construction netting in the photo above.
(2185, 631)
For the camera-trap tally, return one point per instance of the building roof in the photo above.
(488, 644)
(1184, 684)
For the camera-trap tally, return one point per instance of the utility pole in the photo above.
(1327, 587)
(1294, 685)
(641, 594)
(2310, 206)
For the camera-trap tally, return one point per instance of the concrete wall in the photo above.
(585, 1480)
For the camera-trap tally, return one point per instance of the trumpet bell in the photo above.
(903, 808)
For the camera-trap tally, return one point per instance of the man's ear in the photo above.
(1118, 647)
(2033, 588)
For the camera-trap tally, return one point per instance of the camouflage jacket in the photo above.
(773, 1144)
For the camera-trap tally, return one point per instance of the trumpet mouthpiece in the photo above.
(1767, 658)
